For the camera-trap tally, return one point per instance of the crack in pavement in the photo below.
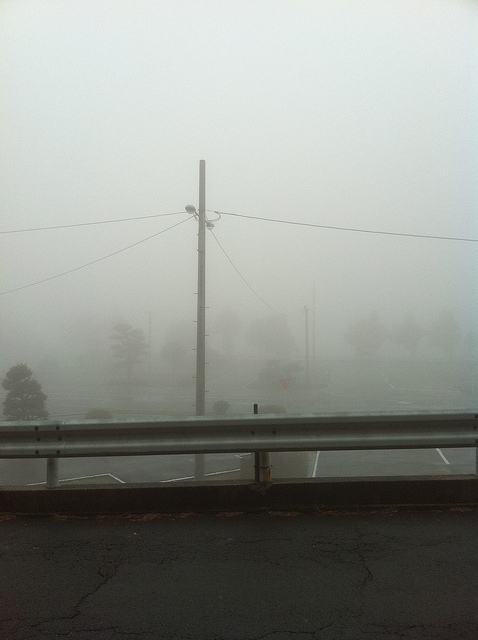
(106, 571)
(424, 631)
(355, 588)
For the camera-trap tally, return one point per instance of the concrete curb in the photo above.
(313, 494)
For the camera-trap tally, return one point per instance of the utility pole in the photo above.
(199, 467)
(200, 216)
(201, 301)
(199, 463)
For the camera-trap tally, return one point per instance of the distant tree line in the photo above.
(368, 335)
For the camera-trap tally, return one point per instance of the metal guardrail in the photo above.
(55, 439)
(332, 432)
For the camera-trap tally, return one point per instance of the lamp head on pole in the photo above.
(190, 208)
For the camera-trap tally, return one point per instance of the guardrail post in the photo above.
(257, 467)
(52, 477)
(265, 467)
(262, 461)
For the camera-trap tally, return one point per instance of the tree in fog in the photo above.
(87, 338)
(271, 336)
(228, 327)
(445, 333)
(25, 399)
(278, 374)
(129, 347)
(366, 336)
(175, 353)
(408, 335)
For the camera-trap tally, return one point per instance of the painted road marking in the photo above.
(314, 473)
(441, 454)
(79, 478)
(207, 475)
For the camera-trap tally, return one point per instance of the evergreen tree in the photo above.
(25, 399)
(129, 347)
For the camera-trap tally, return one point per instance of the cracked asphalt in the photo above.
(235, 576)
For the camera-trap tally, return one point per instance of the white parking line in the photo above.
(118, 479)
(314, 473)
(207, 475)
(96, 475)
(441, 454)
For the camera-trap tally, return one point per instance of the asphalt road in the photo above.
(276, 576)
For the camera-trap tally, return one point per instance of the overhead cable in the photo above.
(83, 266)
(352, 229)
(89, 224)
(240, 274)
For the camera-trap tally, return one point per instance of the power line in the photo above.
(83, 266)
(89, 224)
(239, 215)
(355, 230)
(240, 274)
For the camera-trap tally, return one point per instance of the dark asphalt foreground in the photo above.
(394, 574)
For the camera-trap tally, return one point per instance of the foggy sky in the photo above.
(358, 114)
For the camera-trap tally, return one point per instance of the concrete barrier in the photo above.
(351, 493)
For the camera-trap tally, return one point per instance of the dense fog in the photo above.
(340, 143)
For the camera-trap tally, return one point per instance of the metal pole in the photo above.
(262, 461)
(199, 470)
(52, 476)
(257, 456)
(265, 466)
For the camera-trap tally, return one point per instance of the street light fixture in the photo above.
(210, 223)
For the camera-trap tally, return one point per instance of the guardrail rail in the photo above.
(55, 439)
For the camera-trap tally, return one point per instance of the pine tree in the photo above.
(25, 399)
(129, 347)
